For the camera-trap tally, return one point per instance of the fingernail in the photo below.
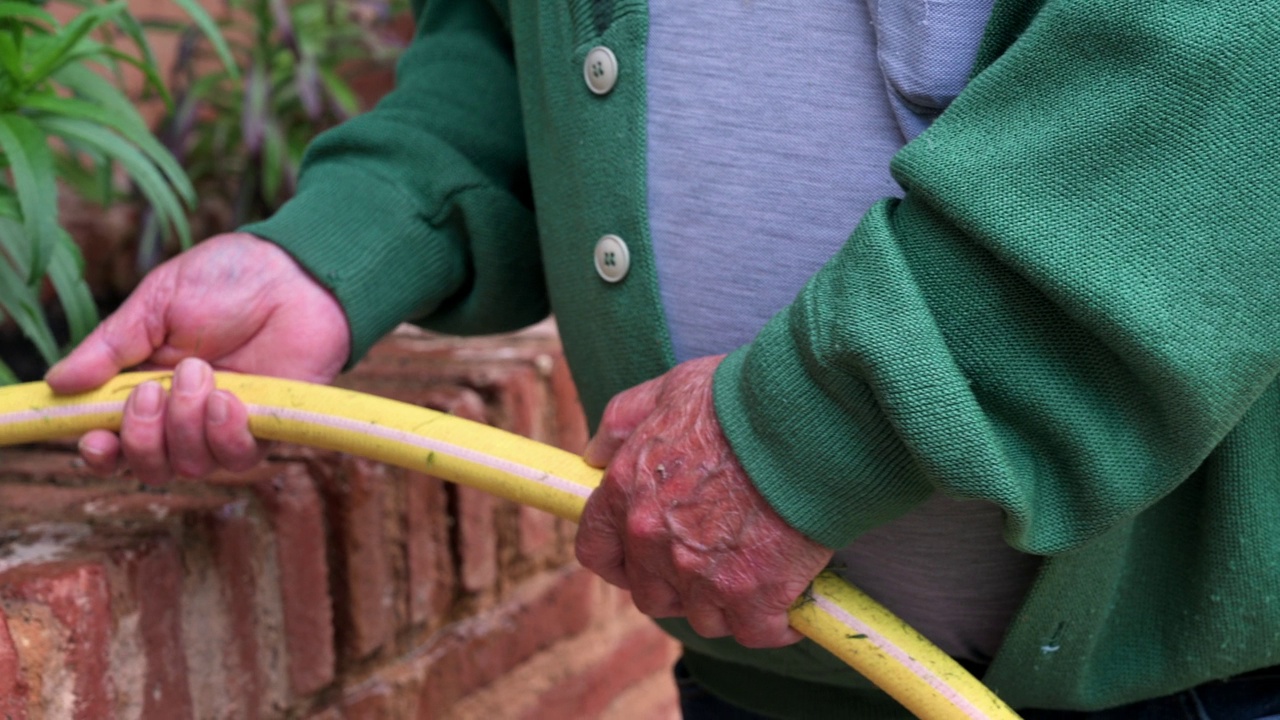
(147, 399)
(189, 376)
(54, 370)
(87, 447)
(217, 409)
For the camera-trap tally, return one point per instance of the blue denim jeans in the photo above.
(1252, 696)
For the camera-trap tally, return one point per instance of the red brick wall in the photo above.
(319, 586)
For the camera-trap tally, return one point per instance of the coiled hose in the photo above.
(832, 613)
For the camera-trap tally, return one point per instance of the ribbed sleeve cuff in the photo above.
(813, 441)
(365, 240)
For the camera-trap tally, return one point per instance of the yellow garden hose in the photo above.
(832, 613)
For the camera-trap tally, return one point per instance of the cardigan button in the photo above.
(613, 259)
(600, 70)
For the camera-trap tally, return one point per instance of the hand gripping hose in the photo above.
(832, 613)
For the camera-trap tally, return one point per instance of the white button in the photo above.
(600, 70)
(613, 260)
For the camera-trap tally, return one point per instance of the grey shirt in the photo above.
(770, 129)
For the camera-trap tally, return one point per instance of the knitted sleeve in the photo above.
(1077, 299)
(389, 202)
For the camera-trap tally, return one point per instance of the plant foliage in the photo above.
(64, 117)
(241, 136)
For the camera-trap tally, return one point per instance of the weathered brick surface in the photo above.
(477, 539)
(320, 586)
(430, 576)
(64, 615)
(474, 653)
(298, 520)
(13, 691)
(363, 593)
(157, 585)
(235, 548)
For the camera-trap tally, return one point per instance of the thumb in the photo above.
(122, 340)
(622, 416)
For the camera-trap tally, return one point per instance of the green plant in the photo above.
(241, 137)
(64, 117)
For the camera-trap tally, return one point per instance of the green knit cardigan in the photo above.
(1074, 313)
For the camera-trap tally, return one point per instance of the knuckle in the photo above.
(655, 601)
(737, 587)
(688, 562)
(756, 635)
(645, 527)
(190, 468)
(139, 446)
(612, 417)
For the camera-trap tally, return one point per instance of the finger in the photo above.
(706, 619)
(649, 569)
(227, 429)
(124, 339)
(652, 595)
(142, 433)
(622, 416)
(761, 630)
(189, 453)
(598, 545)
(100, 450)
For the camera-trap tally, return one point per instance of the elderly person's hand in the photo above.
(678, 523)
(234, 302)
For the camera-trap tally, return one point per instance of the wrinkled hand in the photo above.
(234, 301)
(678, 523)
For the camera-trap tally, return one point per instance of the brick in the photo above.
(297, 516)
(13, 689)
(25, 503)
(429, 560)
(157, 580)
(112, 502)
(234, 548)
(153, 507)
(50, 462)
(654, 698)
(373, 702)
(477, 539)
(538, 533)
(363, 591)
(471, 654)
(521, 396)
(75, 596)
(390, 694)
(620, 668)
(637, 655)
(570, 420)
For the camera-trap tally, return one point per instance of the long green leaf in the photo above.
(128, 125)
(66, 273)
(9, 206)
(149, 72)
(58, 53)
(343, 97)
(13, 238)
(20, 301)
(31, 163)
(6, 375)
(211, 31)
(152, 184)
(26, 11)
(11, 58)
(273, 161)
(131, 27)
